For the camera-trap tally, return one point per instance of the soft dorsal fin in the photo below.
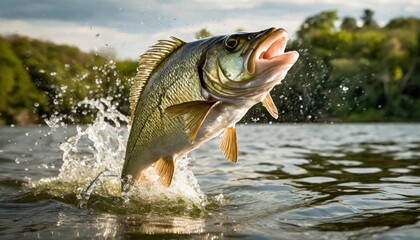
(147, 63)
(270, 106)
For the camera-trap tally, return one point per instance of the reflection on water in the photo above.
(153, 225)
(291, 182)
(369, 186)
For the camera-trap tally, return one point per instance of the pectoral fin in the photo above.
(194, 113)
(270, 106)
(228, 144)
(165, 169)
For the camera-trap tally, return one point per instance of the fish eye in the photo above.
(231, 43)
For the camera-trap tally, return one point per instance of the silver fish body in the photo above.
(189, 93)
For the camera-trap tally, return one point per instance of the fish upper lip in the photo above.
(268, 46)
(274, 45)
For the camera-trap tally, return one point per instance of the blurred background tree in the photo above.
(345, 72)
(203, 33)
(368, 20)
(349, 24)
(44, 79)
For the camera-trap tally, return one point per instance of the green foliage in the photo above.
(17, 93)
(372, 72)
(203, 33)
(368, 20)
(314, 26)
(351, 73)
(348, 24)
(42, 79)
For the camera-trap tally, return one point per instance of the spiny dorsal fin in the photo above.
(194, 114)
(147, 63)
(270, 106)
(165, 169)
(228, 144)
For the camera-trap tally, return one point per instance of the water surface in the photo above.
(292, 181)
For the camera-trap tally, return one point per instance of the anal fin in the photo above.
(165, 169)
(270, 106)
(228, 144)
(194, 113)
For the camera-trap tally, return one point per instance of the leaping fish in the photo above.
(185, 94)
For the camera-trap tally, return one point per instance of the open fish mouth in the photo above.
(268, 51)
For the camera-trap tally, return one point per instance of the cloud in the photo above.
(131, 26)
(231, 5)
(131, 15)
(87, 38)
(128, 44)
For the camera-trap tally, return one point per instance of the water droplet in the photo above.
(36, 104)
(17, 161)
(27, 134)
(53, 73)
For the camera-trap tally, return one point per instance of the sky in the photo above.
(129, 27)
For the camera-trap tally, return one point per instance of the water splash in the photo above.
(100, 147)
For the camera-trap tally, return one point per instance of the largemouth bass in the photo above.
(185, 94)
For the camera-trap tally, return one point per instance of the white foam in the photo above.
(100, 147)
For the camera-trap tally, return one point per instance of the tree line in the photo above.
(41, 79)
(352, 73)
(346, 73)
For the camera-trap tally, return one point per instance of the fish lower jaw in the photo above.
(281, 62)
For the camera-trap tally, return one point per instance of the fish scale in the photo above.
(172, 88)
(185, 94)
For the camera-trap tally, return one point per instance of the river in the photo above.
(292, 181)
